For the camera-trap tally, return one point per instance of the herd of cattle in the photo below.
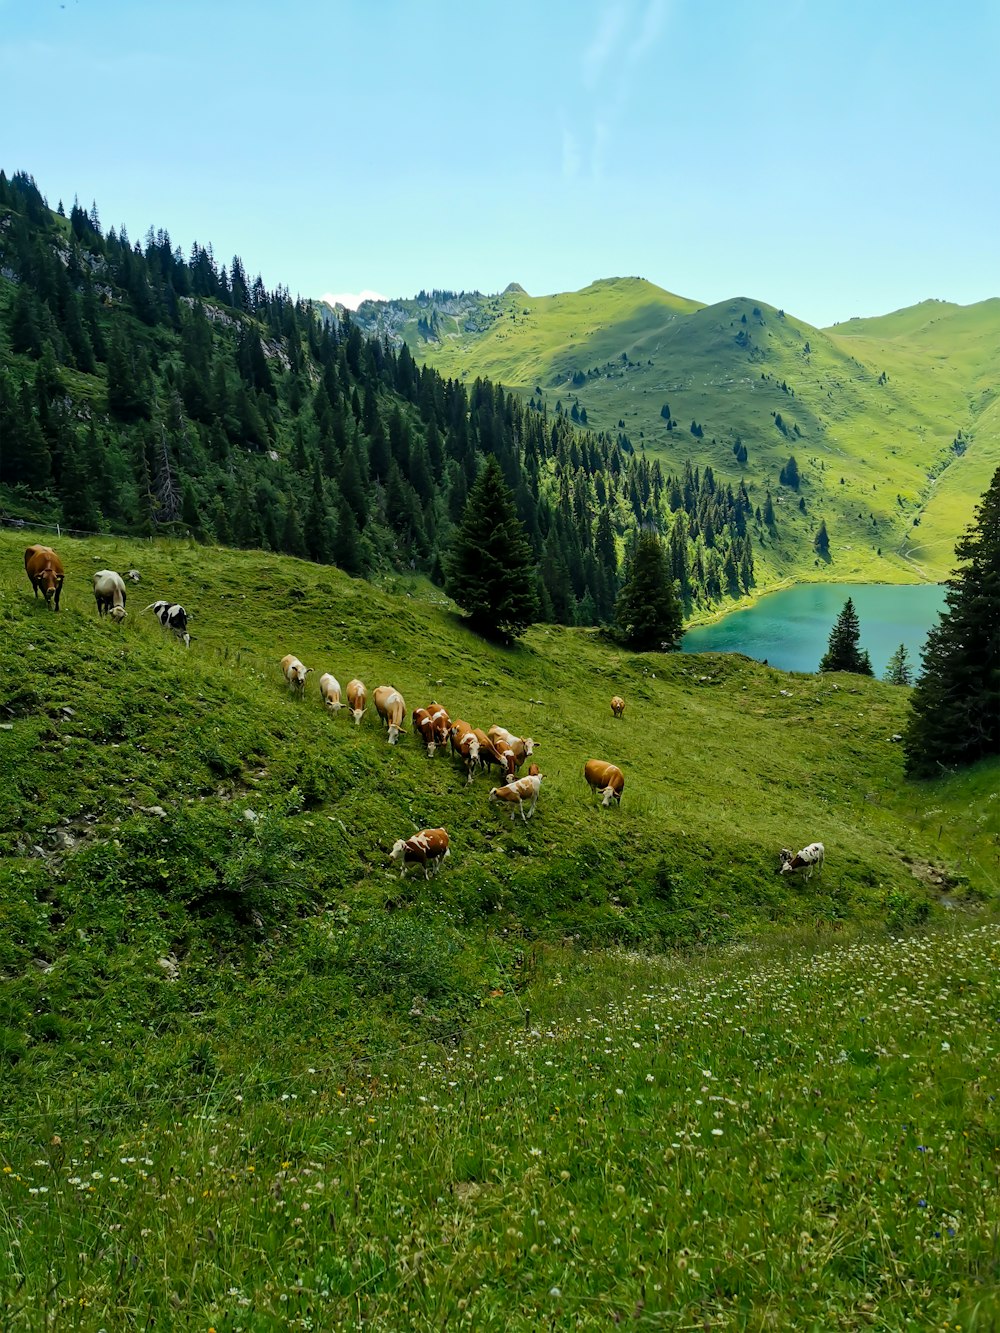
(476, 749)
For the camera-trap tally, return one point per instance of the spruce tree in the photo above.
(898, 670)
(647, 612)
(489, 570)
(842, 652)
(955, 716)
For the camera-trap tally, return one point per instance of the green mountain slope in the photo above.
(871, 410)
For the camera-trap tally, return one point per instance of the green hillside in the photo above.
(890, 421)
(252, 1078)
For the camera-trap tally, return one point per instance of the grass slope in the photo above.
(220, 1004)
(870, 409)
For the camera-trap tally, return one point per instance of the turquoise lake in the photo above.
(791, 628)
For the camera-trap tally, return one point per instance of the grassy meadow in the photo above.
(608, 1066)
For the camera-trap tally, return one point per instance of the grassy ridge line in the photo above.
(866, 445)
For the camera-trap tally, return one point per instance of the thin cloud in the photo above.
(353, 299)
(603, 42)
(649, 31)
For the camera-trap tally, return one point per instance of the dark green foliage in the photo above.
(789, 475)
(898, 670)
(647, 613)
(842, 653)
(490, 570)
(821, 542)
(956, 701)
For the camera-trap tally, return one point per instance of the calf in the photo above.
(489, 754)
(109, 593)
(357, 699)
(172, 616)
(606, 779)
(391, 709)
(516, 792)
(45, 572)
(808, 859)
(329, 689)
(617, 705)
(428, 848)
(465, 744)
(295, 673)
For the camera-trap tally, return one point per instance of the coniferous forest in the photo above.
(144, 392)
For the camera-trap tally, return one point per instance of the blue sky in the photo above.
(835, 159)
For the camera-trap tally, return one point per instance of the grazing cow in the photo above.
(172, 616)
(521, 747)
(617, 705)
(606, 779)
(109, 593)
(391, 709)
(489, 754)
(465, 744)
(295, 673)
(808, 859)
(45, 571)
(519, 790)
(428, 848)
(357, 699)
(441, 723)
(423, 727)
(329, 688)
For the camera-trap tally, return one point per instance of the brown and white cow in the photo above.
(606, 779)
(465, 744)
(427, 848)
(808, 859)
(423, 726)
(329, 689)
(295, 673)
(521, 747)
(357, 699)
(517, 791)
(45, 570)
(617, 705)
(489, 754)
(441, 723)
(109, 594)
(391, 708)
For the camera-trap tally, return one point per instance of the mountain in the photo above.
(891, 421)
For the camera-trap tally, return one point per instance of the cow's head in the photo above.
(357, 714)
(398, 849)
(529, 747)
(118, 613)
(785, 857)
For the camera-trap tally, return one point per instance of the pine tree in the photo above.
(647, 612)
(490, 570)
(821, 542)
(955, 716)
(842, 652)
(898, 670)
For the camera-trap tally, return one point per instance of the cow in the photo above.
(428, 848)
(109, 593)
(45, 571)
(465, 743)
(172, 616)
(295, 673)
(423, 726)
(808, 859)
(329, 689)
(357, 699)
(617, 705)
(391, 709)
(489, 754)
(134, 575)
(517, 791)
(605, 779)
(521, 747)
(441, 723)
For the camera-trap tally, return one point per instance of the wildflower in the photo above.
(555, 1293)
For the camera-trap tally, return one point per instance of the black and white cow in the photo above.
(808, 859)
(172, 615)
